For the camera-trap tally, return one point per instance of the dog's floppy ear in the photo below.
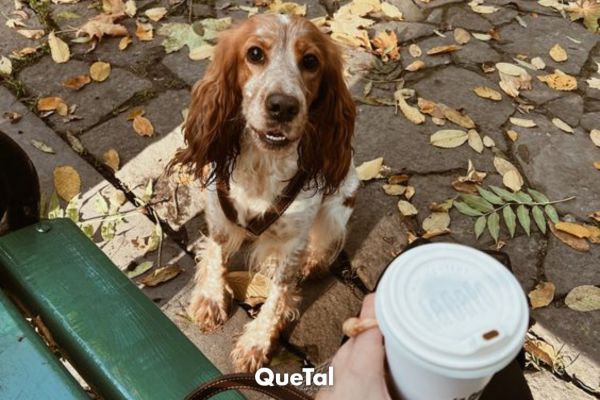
(213, 125)
(328, 148)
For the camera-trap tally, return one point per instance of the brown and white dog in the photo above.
(271, 117)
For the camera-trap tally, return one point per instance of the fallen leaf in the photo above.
(203, 52)
(478, 8)
(595, 215)
(11, 116)
(461, 36)
(415, 65)
(156, 14)
(179, 35)
(488, 93)
(510, 69)
(143, 126)
(589, 10)
(414, 50)
(130, 8)
(436, 221)
(59, 50)
(125, 42)
(570, 240)
(484, 37)
(488, 141)
(512, 135)
(595, 136)
(541, 351)
(5, 66)
(112, 159)
(409, 192)
(161, 275)
(562, 125)
(443, 49)
(558, 54)
(77, 82)
(523, 123)
(51, 103)
(411, 113)
(406, 208)
(144, 32)
(559, 81)
(103, 24)
(386, 45)
(538, 63)
(594, 83)
(460, 119)
(435, 232)
(288, 8)
(394, 190)
(513, 180)
(41, 146)
(542, 295)
(100, 71)
(67, 182)
(448, 138)
(584, 298)
(391, 11)
(597, 164)
(369, 169)
(139, 269)
(577, 230)
(398, 179)
(474, 140)
(247, 286)
(32, 34)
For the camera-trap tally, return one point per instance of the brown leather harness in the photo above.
(260, 223)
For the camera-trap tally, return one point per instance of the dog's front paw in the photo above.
(209, 313)
(249, 358)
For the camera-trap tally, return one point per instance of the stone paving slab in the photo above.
(94, 101)
(181, 65)
(545, 386)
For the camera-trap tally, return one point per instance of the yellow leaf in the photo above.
(436, 221)
(488, 93)
(542, 295)
(288, 8)
(576, 230)
(448, 138)
(49, 103)
(144, 32)
(125, 42)
(513, 180)
(455, 116)
(156, 14)
(409, 192)
(461, 36)
(112, 159)
(32, 34)
(247, 286)
(391, 11)
(558, 54)
(77, 82)
(142, 126)
(386, 45)
(411, 113)
(474, 140)
(67, 182)
(130, 8)
(415, 66)
(369, 169)
(559, 81)
(512, 135)
(597, 164)
(5, 66)
(595, 136)
(562, 125)
(394, 190)
(161, 275)
(59, 50)
(584, 298)
(100, 71)
(202, 52)
(576, 243)
(522, 122)
(406, 208)
(443, 49)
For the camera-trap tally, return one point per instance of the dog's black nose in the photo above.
(282, 108)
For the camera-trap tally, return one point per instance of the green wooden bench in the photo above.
(114, 336)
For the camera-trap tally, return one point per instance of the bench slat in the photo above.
(117, 339)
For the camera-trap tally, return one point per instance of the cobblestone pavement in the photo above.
(551, 161)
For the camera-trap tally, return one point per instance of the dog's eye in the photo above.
(255, 55)
(310, 62)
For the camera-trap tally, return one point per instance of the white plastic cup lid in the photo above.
(452, 309)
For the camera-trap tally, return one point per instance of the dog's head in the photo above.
(279, 80)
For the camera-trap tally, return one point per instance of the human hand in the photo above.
(358, 366)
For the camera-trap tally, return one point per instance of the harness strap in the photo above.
(257, 225)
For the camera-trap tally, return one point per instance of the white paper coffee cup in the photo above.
(452, 317)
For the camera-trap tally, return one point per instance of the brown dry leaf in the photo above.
(595, 215)
(435, 232)
(288, 8)
(595, 136)
(112, 159)
(436, 221)
(59, 50)
(542, 295)
(103, 24)
(369, 169)
(67, 182)
(558, 54)
(77, 82)
(51, 103)
(562, 125)
(143, 126)
(24, 52)
(570, 240)
(512, 135)
(473, 175)
(100, 71)
(597, 164)
(144, 32)
(460, 119)
(541, 350)
(429, 107)
(411, 113)
(594, 233)
(414, 50)
(415, 66)
(474, 140)
(584, 298)
(386, 45)
(448, 138)
(522, 122)
(406, 208)
(161, 275)
(559, 81)
(248, 286)
(465, 187)
(156, 14)
(398, 179)
(443, 49)
(577, 230)
(488, 93)
(461, 36)
(134, 112)
(33, 34)
(394, 190)
(125, 42)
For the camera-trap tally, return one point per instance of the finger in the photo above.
(368, 306)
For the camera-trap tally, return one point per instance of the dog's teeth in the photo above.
(276, 138)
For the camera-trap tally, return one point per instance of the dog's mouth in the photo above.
(272, 137)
